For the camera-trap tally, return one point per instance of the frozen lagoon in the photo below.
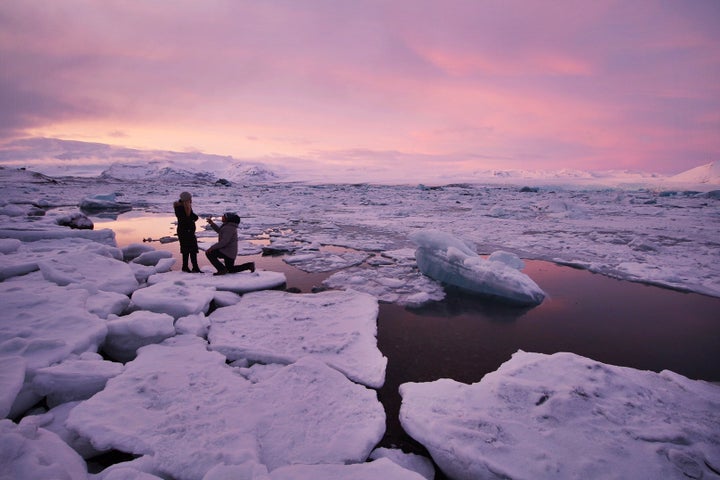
(488, 338)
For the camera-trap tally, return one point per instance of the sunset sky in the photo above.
(457, 85)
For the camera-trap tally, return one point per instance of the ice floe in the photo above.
(338, 328)
(128, 333)
(565, 416)
(242, 282)
(74, 379)
(174, 298)
(313, 259)
(400, 284)
(183, 407)
(31, 452)
(44, 324)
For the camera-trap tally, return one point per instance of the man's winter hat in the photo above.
(232, 217)
(185, 196)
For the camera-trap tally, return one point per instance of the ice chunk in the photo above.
(559, 208)
(75, 220)
(104, 203)
(318, 261)
(182, 407)
(128, 473)
(410, 461)
(134, 250)
(12, 210)
(565, 416)
(74, 379)
(178, 298)
(30, 452)
(89, 270)
(399, 284)
(9, 245)
(29, 234)
(380, 469)
(225, 299)
(152, 258)
(104, 304)
(44, 324)
(143, 272)
(12, 376)
(447, 259)
(336, 327)
(197, 324)
(437, 240)
(127, 334)
(509, 259)
(238, 282)
(54, 421)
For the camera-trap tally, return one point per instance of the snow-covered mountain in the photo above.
(173, 171)
(240, 172)
(707, 174)
(58, 157)
(160, 170)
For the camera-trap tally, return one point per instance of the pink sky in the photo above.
(457, 85)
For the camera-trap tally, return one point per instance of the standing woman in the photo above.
(186, 219)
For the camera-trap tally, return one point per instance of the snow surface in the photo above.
(336, 327)
(69, 294)
(183, 406)
(563, 416)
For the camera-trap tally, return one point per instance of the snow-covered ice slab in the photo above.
(30, 233)
(564, 416)
(74, 379)
(339, 328)
(128, 333)
(44, 324)
(28, 255)
(401, 284)
(447, 259)
(382, 469)
(54, 421)
(177, 299)
(91, 271)
(31, 452)
(242, 282)
(184, 408)
(316, 261)
(411, 461)
(12, 377)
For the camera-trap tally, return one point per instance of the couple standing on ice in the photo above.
(225, 249)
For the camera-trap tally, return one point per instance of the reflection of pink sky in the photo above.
(131, 229)
(585, 85)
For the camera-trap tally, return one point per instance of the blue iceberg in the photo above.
(448, 259)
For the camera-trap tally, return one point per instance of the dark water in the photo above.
(464, 337)
(608, 320)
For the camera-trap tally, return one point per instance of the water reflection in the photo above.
(458, 303)
(134, 227)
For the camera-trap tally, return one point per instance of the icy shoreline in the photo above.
(272, 380)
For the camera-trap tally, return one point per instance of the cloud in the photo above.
(621, 83)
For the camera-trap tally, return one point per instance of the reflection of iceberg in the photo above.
(449, 260)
